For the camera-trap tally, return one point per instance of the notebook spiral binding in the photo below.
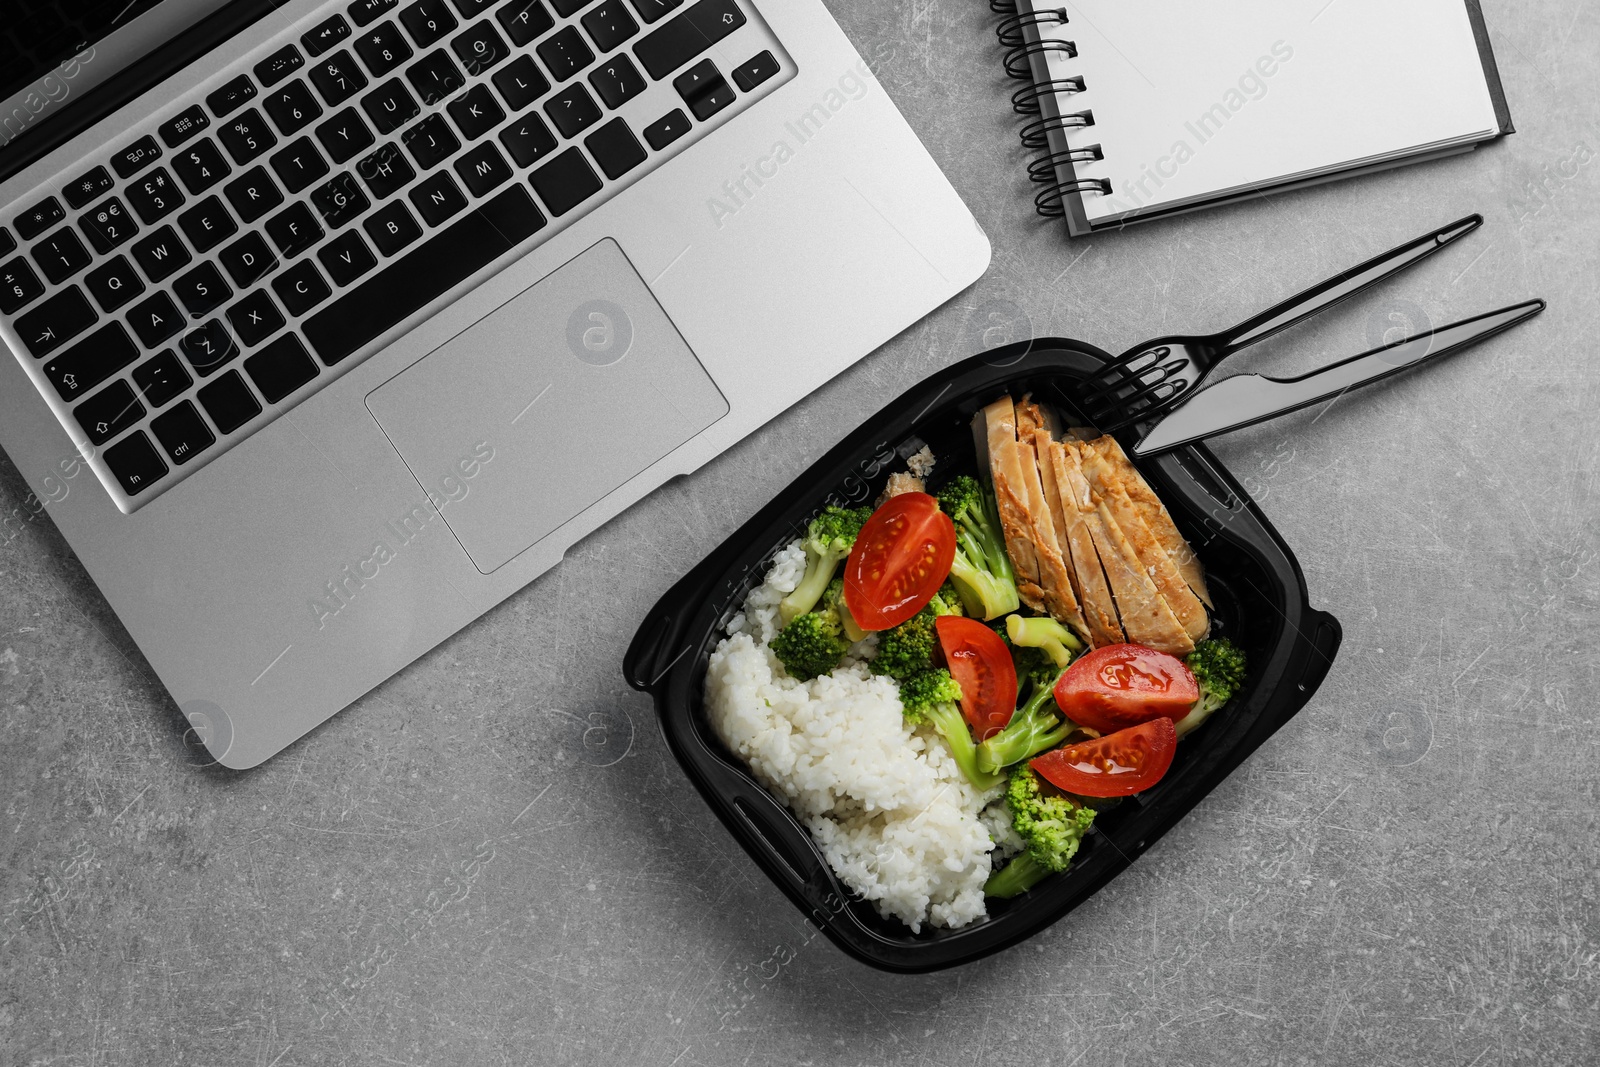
(1026, 58)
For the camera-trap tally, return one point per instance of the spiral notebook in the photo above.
(1147, 108)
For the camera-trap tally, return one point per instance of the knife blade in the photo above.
(1246, 399)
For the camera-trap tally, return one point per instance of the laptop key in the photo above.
(60, 256)
(653, 10)
(430, 269)
(431, 142)
(382, 49)
(114, 284)
(473, 8)
(202, 290)
(385, 171)
(39, 218)
(609, 25)
(704, 89)
(476, 112)
(392, 228)
(324, 35)
(569, 7)
(389, 106)
(435, 77)
(154, 196)
(91, 361)
(208, 348)
(131, 160)
(255, 318)
(521, 84)
(528, 140)
(340, 200)
(298, 165)
(617, 81)
(483, 168)
(228, 401)
(344, 135)
(155, 319)
(615, 148)
(437, 198)
(252, 194)
(279, 65)
(18, 286)
(207, 225)
(338, 78)
(301, 287)
(427, 21)
(523, 20)
(161, 254)
(232, 96)
(200, 166)
(182, 432)
(248, 260)
(294, 229)
(81, 190)
(246, 136)
(109, 412)
(346, 257)
(668, 128)
(134, 463)
(108, 225)
(572, 110)
(281, 368)
(564, 54)
(752, 72)
(8, 243)
(363, 12)
(683, 37)
(161, 378)
(291, 108)
(565, 182)
(184, 125)
(480, 47)
(55, 322)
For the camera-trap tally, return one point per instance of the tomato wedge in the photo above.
(981, 664)
(1116, 765)
(900, 559)
(1117, 686)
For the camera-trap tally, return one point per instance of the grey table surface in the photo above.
(493, 858)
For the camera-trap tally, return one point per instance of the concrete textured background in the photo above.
(493, 859)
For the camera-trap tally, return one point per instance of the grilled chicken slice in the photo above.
(1054, 574)
(1146, 618)
(1156, 517)
(1078, 513)
(1109, 489)
(1011, 497)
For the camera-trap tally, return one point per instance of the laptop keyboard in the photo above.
(181, 289)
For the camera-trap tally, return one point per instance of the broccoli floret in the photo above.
(828, 541)
(1052, 827)
(935, 697)
(948, 600)
(1043, 632)
(1218, 665)
(908, 649)
(834, 598)
(811, 644)
(1034, 728)
(982, 571)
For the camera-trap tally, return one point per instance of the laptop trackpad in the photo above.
(570, 389)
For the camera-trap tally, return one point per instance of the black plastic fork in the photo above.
(1156, 376)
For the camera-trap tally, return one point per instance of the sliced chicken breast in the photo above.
(1146, 618)
(1078, 512)
(1156, 517)
(1054, 574)
(1011, 497)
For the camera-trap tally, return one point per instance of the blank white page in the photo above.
(1193, 100)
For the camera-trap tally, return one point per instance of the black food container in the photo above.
(1260, 602)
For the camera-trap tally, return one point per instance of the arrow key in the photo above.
(56, 321)
(109, 412)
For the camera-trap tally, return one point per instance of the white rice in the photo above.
(896, 819)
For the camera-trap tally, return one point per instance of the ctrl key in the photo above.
(135, 464)
(182, 432)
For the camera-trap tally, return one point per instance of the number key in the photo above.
(154, 196)
(108, 225)
(246, 136)
(382, 49)
(427, 21)
(61, 255)
(200, 166)
(18, 285)
(338, 78)
(291, 107)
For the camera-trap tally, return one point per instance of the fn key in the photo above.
(134, 462)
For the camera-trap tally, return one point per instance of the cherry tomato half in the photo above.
(981, 664)
(1117, 686)
(1116, 765)
(900, 559)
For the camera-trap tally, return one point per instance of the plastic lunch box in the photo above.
(1260, 602)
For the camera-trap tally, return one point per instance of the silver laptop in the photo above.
(334, 324)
